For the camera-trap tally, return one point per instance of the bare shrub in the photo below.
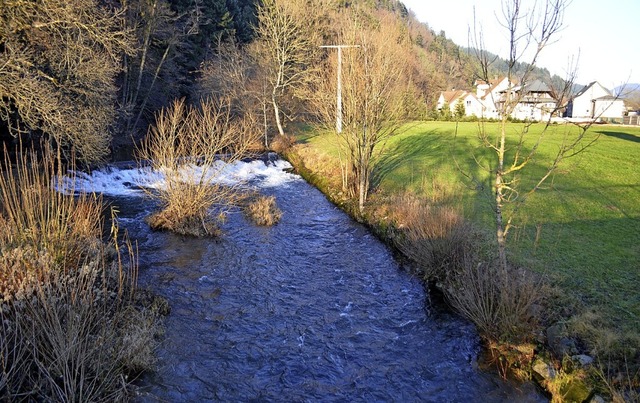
(65, 296)
(190, 147)
(282, 144)
(264, 211)
(434, 237)
(456, 255)
(498, 302)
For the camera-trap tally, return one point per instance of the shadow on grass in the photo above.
(432, 150)
(621, 135)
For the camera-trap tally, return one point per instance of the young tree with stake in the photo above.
(530, 32)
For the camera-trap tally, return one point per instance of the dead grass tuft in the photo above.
(190, 225)
(263, 210)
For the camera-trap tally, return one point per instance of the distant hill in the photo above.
(631, 95)
(627, 90)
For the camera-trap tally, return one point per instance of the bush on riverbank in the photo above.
(70, 329)
(456, 256)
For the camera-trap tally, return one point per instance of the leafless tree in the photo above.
(58, 62)
(234, 74)
(159, 32)
(373, 84)
(287, 42)
(530, 32)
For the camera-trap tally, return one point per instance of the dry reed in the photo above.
(65, 295)
(263, 211)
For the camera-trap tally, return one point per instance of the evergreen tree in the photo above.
(459, 110)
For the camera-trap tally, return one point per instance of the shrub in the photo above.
(434, 237)
(66, 304)
(499, 303)
(263, 210)
(190, 147)
(282, 144)
(453, 253)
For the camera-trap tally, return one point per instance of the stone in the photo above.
(583, 360)
(597, 399)
(543, 371)
(575, 391)
(559, 344)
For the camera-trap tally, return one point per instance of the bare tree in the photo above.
(58, 62)
(287, 40)
(373, 84)
(234, 74)
(159, 32)
(530, 31)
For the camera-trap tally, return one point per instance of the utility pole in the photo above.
(339, 91)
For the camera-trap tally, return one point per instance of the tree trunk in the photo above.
(276, 111)
(501, 234)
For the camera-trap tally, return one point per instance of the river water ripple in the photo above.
(312, 309)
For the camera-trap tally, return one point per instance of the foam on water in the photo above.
(116, 181)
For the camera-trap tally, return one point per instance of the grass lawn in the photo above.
(582, 229)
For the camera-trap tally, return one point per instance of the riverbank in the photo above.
(555, 360)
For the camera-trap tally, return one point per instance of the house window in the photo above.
(468, 103)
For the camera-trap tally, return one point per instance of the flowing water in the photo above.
(312, 309)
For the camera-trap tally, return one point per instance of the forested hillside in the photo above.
(91, 74)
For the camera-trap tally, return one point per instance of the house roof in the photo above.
(591, 84)
(537, 86)
(606, 98)
(451, 96)
(493, 85)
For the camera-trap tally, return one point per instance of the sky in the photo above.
(600, 35)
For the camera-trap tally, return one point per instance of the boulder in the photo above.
(558, 341)
(575, 391)
(543, 371)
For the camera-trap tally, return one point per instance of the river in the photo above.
(314, 308)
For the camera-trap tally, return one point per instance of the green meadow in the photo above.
(582, 229)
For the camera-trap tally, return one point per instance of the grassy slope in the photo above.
(583, 229)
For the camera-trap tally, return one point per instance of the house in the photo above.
(472, 105)
(489, 93)
(595, 101)
(535, 101)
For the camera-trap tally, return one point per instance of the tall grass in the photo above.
(450, 251)
(190, 146)
(66, 297)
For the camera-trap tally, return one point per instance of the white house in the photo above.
(535, 101)
(595, 101)
(489, 93)
(472, 105)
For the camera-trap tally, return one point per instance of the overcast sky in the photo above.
(602, 34)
